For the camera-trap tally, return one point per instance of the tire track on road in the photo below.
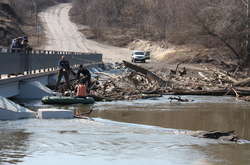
(63, 35)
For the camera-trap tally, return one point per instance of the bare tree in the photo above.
(224, 21)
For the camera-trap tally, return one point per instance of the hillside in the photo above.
(216, 27)
(9, 24)
(18, 17)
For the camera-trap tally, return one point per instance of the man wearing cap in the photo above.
(85, 72)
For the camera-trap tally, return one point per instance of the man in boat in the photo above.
(85, 72)
(81, 89)
(64, 70)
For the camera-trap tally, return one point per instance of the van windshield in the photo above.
(139, 53)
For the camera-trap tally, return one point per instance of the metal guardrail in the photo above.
(44, 60)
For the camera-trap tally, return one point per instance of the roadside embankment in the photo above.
(17, 20)
(9, 24)
(165, 52)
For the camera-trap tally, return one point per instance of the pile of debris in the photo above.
(129, 86)
(135, 82)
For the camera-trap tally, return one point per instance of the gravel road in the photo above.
(63, 35)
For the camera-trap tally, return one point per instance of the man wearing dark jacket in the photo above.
(64, 70)
(85, 73)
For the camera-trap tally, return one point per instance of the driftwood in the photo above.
(224, 74)
(82, 115)
(218, 92)
(70, 131)
(240, 97)
(203, 76)
(148, 96)
(241, 83)
(179, 99)
(174, 72)
(245, 98)
(226, 136)
(106, 74)
(214, 92)
(230, 78)
(236, 93)
(150, 75)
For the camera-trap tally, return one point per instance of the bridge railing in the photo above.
(45, 60)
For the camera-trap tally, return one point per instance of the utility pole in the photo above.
(36, 21)
(246, 3)
(247, 31)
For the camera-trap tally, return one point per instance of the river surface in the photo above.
(131, 132)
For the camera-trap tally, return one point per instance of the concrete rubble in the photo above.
(34, 90)
(55, 114)
(12, 111)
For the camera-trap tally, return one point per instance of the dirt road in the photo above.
(63, 35)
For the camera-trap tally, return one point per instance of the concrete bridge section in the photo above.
(41, 60)
(12, 111)
(28, 86)
(38, 69)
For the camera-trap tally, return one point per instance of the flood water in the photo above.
(131, 132)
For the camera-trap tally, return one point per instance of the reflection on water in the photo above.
(13, 145)
(227, 154)
(209, 116)
(121, 141)
(104, 142)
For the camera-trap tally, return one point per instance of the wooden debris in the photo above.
(179, 99)
(148, 96)
(183, 72)
(242, 83)
(150, 75)
(140, 83)
(225, 136)
(203, 76)
(212, 92)
(68, 131)
(174, 72)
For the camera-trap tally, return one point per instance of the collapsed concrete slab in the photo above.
(52, 79)
(12, 111)
(55, 114)
(34, 90)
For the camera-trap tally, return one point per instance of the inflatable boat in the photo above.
(67, 100)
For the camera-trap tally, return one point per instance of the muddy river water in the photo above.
(131, 132)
